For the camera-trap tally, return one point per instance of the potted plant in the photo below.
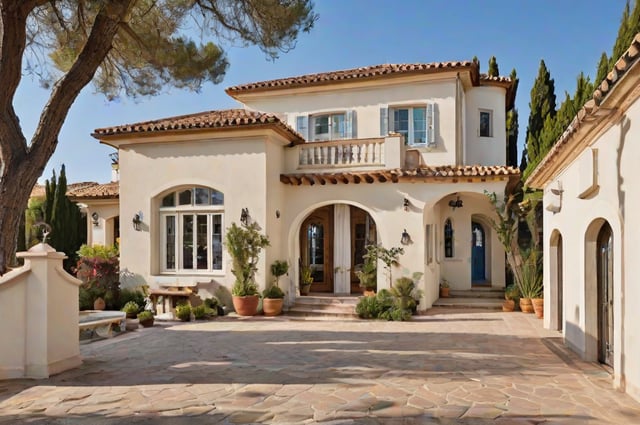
(511, 295)
(146, 318)
(244, 244)
(367, 272)
(183, 312)
(530, 279)
(273, 299)
(306, 279)
(131, 308)
(444, 288)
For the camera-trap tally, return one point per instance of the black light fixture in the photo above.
(406, 204)
(137, 221)
(406, 238)
(95, 217)
(245, 217)
(456, 204)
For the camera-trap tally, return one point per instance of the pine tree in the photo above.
(542, 105)
(493, 67)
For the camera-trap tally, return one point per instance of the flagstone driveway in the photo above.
(447, 367)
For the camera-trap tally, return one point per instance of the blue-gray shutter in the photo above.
(302, 126)
(384, 121)
(431, 133)
(351, 126)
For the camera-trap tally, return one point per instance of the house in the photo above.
(591, 221)
(325, 164)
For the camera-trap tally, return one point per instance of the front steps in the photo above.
(478, 297)
(325, 305)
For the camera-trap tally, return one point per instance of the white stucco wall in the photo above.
(617, 200)
(485, 150)
(107, 210)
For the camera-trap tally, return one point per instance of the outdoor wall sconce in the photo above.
(137, 221)
(406, 238)
(245, 217)
(406, 204)
(95, 217)
(277, 213)
(456, 204)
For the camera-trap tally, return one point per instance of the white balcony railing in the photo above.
(343, 153)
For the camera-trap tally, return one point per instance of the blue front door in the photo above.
(477, 253)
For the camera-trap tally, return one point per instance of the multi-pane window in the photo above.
(191, 230)
(486, 124)
(328, 127)
(415, 123)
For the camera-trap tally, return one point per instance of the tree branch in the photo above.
(65, 91)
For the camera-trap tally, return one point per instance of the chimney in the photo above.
(115, 167)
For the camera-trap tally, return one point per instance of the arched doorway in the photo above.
(604, 261)
(333, 240)
(478, 246)
(557, 291)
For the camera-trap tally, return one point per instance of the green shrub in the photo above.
(183, 312)
(131, 307)
(85, 299)
(400, 315)
(368, 308)
(127, 294)
(212, 302)
(199, 311)
(273, 292)
(145, 315)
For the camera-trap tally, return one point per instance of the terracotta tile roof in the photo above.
(222, 119)
(446, 173)
(38, 189)
(109, 190)
(363, 73)
(589, 115)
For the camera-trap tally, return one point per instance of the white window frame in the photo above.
(490, 113)
(330, 135)
(179, 212)
(429, 118)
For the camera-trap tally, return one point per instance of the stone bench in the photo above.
(101, 322)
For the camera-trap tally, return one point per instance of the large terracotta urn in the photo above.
(246, 306)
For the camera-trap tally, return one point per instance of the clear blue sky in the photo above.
(569, 35)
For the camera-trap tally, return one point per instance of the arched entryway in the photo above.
(556, 275)
(605, 294)
(333, 239)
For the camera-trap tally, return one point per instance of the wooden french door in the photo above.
(316, 242)
(605, 295)
(363, 232)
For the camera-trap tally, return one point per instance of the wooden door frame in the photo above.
(325, 215)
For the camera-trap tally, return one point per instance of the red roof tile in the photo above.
(109, 190)
(38, 189)
(223, 119)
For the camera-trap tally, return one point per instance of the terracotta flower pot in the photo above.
(525, 305)
(99, 304)
(508, 305)
(305, 288)
(538, 307)
(272, 306)
(246, 306)
(444, 292)
(147, 323)
(368, 292)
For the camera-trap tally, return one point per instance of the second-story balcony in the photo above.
(376, 153)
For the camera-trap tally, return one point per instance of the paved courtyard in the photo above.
(447, 367)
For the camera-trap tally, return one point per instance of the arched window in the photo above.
(191, 230)
(448, 239)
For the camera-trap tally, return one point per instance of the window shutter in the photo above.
(351, 128)
(384, 121)
(431, 133)
(302, 126)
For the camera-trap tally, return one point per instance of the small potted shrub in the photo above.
(244, 244)
(201, 312)
(444, 288)
(183, 312)
(146, 318)
(273, 298)
(367, 272)
(306, 279)
(131, 308)
(511, 295)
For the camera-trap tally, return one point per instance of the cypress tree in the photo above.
(603, 69)
(512, 126)
(542, 105)
(493, 67)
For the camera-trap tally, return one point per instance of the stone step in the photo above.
(325, 306)
(458, 302)
(477, 293)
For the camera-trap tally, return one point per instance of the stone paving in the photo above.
(448, 367)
